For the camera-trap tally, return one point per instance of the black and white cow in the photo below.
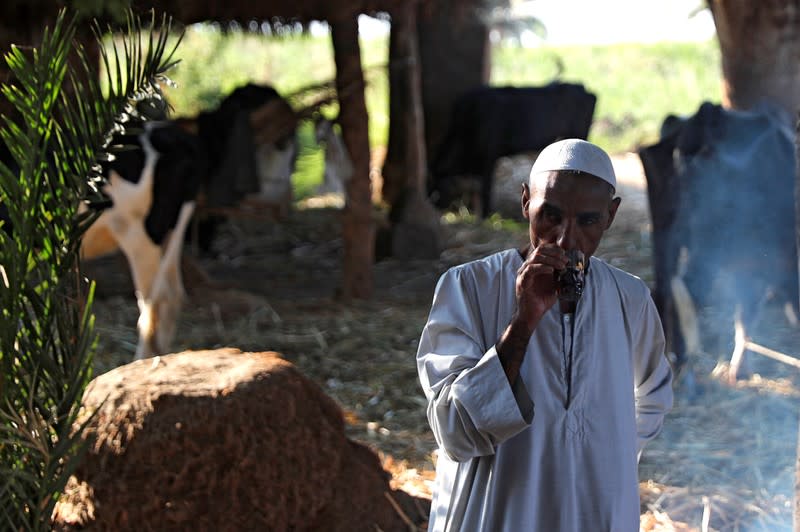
(226, 154)
(721, 191)
(492, 122)
(153, 191)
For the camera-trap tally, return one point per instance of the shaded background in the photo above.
(726, 456)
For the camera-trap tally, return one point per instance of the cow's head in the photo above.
(274, 129)
(252, 146)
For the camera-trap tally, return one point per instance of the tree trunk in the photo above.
(760, 45)
(407, 84)
(357, 224)
(395, 165)
(451, 64)
(414, 222)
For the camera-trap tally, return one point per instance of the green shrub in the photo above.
(47, 338)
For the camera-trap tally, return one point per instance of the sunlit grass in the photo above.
(310, 164)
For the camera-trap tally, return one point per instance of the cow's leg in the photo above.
(275, 166)
(159, 310)
(687, 316)
(790, 314)
(740, 346)
(686, 325)
(143, 256)
(747, 312)
(125, 224)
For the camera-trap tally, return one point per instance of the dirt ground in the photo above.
(726, 454)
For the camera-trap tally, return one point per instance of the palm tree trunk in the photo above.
(760, 45)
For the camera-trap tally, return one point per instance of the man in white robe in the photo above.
(541, 405)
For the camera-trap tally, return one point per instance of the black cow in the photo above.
(721, 193)
(491, 122)
(223, 156)
(250, 141)
(247, 155)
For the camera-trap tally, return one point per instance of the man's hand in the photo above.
(536, 293)
(536, 288)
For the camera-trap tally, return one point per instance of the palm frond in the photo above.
(64, 130)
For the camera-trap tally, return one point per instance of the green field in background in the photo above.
(637, 85)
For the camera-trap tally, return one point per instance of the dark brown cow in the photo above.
(721, 191)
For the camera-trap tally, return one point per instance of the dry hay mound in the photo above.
(224, 440)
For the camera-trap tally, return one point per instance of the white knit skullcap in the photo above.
(575, 155)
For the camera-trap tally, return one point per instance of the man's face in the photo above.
(569, 209)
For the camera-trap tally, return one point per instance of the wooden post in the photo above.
(406, 156)
(357, 222)
(414, 121)
(415, 231)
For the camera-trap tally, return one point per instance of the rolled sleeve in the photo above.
(497, 408)
(479, 410)
(471, 405)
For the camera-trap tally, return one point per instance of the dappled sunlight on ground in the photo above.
(726, 453)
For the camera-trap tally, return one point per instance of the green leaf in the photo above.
(47, 336)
